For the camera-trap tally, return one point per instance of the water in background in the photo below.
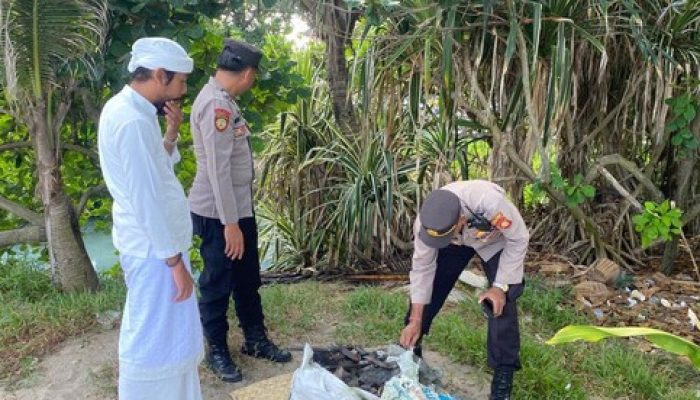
(98, 245)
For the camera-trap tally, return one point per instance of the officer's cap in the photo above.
(237, 56)
(438, 216)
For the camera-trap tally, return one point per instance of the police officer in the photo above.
(456, 222)
(221, 201)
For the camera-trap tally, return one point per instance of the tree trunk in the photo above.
(335, 22)
(504, 172)
(71, 267)
(683, 184)
(338, 80)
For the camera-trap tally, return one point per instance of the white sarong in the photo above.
(160, 341)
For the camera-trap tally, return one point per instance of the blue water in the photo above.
(98, 245)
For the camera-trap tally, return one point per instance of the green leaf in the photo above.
(666, 219)
(664, 340)
(640, 219)
(588, 191)
(689, 113)
(677, 140)
(649, 205)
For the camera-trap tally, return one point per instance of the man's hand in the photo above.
(234, 241)
(173, 118)
(410, 334)
(183, 282)
(498, 299)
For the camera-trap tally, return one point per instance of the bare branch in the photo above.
(619, 187)
(86, 196)
(15, 146)
(92, 154)
(616, 159)
(21, 211)
(30, 234)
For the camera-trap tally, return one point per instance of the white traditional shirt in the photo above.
(159, 339)
(150, 214)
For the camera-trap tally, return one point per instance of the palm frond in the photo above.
(43, 40)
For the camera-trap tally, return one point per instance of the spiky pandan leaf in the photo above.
(663, 340)
(40, 39)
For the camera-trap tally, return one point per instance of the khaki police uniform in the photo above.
(222, 194)
(435, 271)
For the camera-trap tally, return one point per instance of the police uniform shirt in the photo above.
(509, 234)
(222, 186)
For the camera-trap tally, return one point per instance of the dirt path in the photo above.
(86, 368)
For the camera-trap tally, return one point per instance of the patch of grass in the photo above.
(371, 316)
(547, 306)
(621, 371)
(374, 316)
(35, 316)
(293, 311)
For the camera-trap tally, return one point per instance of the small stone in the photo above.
(636, 294)
(665, 303)
(632, 302)
(598, 313)
(644, 346)
(108, 319)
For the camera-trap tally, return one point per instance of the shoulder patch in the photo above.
(222, 117)
(501, 222)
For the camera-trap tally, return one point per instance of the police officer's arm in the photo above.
(422, 276)
(505, 217)
(422, 269)
(136, 149)
(218, 145)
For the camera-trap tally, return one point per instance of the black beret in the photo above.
(237, 56)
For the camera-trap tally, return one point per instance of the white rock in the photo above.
(473, 279)
(693, 318)
(636, 294)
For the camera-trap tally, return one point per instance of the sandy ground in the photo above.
(86, 368)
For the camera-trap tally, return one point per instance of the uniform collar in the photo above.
(217, 86)
(142, 104)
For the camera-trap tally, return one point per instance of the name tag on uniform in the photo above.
(240, 127)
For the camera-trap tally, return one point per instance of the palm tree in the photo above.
(47, 47)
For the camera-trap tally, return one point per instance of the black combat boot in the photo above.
(219, 361)
(501, 385)
(257, 344)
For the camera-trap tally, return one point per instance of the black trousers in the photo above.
(223, 277)
(503, 340)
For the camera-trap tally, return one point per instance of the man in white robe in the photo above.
(160, 341)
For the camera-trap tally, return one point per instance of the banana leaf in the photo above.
(661, 339)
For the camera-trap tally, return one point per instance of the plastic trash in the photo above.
(406, 385)
(312, 382)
